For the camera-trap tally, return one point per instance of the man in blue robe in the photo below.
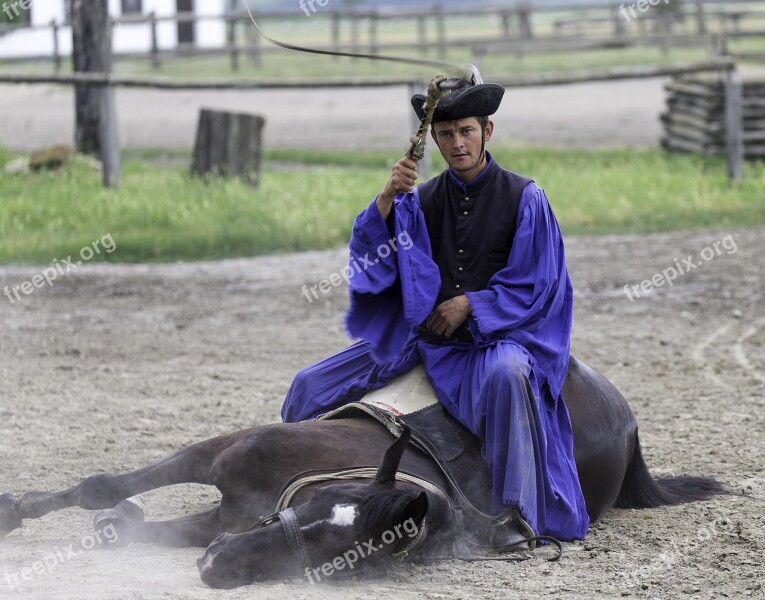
(466, 274)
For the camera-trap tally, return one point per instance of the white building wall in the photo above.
(210, 33)
(28, 42)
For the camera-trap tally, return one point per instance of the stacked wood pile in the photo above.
(695, 116)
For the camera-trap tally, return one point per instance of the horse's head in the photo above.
(342, 529)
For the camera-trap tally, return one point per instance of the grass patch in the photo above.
(628, 191)
(163, 214)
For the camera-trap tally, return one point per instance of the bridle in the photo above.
(292, 533)
(291, 526)
(295, 539)
(299, 549)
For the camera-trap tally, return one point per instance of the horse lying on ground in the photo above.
(251, 468)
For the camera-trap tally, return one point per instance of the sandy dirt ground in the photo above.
(615, 114)
(115, 366)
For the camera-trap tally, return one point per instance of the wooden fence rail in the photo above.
(170, 83)
(721, 65)
(514, 24)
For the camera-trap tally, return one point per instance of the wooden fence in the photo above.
(110, 81)
(705, 23)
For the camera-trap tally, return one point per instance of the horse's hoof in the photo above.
(113, 527)
(132, 508)
(9, 520)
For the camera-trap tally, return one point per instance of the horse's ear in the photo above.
(387, 471)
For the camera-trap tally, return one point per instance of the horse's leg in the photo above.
(117, 527)
(190, 465)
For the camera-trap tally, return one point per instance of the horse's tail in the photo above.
(641, 490)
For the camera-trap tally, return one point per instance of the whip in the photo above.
(440, 84)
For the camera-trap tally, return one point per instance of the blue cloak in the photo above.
(522, 321)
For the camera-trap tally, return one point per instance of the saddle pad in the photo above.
(404, 395)
(410, 399)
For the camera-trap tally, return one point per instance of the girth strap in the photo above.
(349, 474)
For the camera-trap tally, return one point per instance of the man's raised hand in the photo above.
(402, 179)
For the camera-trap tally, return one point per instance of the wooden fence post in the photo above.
(56, 51)
(441, 29)
(233, 48)
(701, 18)
(619, 29)
(256, 54)
(373, 24)
(109, 134)
(505, 15)
(524, 17)
(355, 33)
(422, 34)
(336, 32)
(154, 41)
(734, 134)
(666, 30)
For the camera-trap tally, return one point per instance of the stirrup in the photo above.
(513, 517)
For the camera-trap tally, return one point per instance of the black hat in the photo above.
(474, 99)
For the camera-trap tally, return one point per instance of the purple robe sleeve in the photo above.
(394, 282)
(530, 301)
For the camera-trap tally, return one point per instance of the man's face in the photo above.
(460, 142)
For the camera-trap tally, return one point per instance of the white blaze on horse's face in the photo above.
(343, 515)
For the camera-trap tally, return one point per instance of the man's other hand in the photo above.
(448, 316)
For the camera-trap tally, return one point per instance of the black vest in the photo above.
(471, 227)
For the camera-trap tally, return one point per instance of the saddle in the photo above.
(410, 400)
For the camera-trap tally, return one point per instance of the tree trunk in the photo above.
(91, 52)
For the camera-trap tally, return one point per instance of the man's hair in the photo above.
(482, 121)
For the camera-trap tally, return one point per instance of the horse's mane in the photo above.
(381, 511)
